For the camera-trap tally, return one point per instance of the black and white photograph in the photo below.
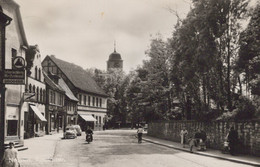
(129, 83)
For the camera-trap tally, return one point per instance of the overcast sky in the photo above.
(83, 31)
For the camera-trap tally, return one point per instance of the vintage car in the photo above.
(78, 130)
(70, 133)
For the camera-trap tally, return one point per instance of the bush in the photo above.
(243, 110)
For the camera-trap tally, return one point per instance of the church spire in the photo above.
(114, 45)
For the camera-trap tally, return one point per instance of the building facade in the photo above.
(55, 108)
(15, 45)
(70, 104)
(34, 116)
(92, 101)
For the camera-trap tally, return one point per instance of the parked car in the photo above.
(78, 129)
(70, 133)
(145, 127)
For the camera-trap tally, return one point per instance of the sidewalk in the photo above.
(243, 159)
(39, 148)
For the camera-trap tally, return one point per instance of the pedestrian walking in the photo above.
(183, 135)
(232, 139)
(10, 157)
(195, 140)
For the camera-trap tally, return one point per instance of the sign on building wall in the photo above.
(14, 77)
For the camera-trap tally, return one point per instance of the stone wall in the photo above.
(248, 131)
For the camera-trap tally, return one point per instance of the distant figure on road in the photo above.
(183, 135)
(89, 131)
(10, 157)
(232, 139)
(140, 133)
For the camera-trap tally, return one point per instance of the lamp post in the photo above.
(4, 21)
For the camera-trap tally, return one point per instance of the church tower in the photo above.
(115, 61)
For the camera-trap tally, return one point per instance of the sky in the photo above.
(83, 31)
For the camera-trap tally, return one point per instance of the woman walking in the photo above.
(10, 157)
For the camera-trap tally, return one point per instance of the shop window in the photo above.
(12, 127)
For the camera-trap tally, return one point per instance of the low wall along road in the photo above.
(248, 132)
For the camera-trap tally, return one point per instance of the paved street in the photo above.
(111, 148)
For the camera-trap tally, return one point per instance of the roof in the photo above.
(115, 56)
(20, 22)
(67, 90)
(52, 84)
(78, 76)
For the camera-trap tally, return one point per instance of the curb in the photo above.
(204, 154)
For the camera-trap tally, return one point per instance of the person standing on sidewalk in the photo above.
(140, 134)
(183, 135)
(10, 157)
(232, 139)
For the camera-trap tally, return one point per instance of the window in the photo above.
(99, 119)
(100, 102)
(89, 100)
(41, 96)
(93, 101)
(85, 100)
(54, 97)
(33, 89)
(37, 94)
(14, 53)
(36, 72)
(44, 96)
(39, 74)
(97, 102)
(50, 97)
(30, 88)
(80, 98)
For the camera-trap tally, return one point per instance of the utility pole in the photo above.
(4, 21)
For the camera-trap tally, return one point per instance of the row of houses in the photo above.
(55, 93)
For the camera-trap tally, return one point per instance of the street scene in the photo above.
(111, 148)
(129, 83)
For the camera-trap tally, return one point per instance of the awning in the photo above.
(88, 118)
(38, 113)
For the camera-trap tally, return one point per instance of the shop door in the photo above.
(12, 127)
